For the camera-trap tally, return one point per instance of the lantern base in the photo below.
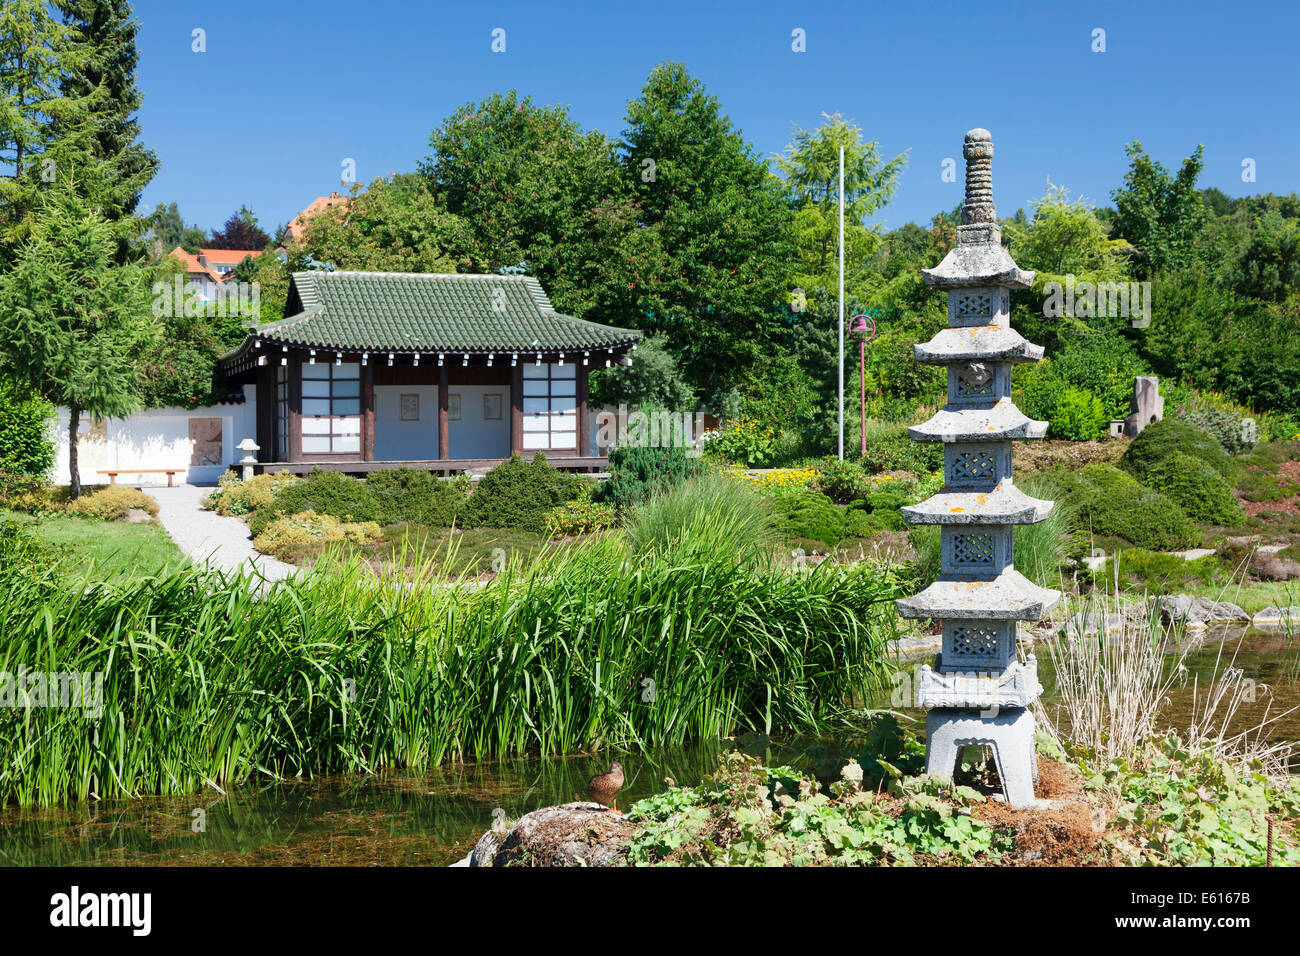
(1008, 733)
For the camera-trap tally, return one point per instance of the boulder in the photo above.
(485, 848)
(1218, 612)
(1198, 612)
(1174, 608)
(572, 834)
(1276, 615)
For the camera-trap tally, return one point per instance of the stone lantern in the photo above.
(250, 449)
(977, 690)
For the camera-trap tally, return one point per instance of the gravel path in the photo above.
(207, 536)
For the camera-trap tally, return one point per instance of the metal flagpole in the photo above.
(841, 363)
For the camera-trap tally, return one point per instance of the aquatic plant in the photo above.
(194, 679)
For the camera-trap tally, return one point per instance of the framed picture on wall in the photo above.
(453, 406)
(410, 407)
(492, 407)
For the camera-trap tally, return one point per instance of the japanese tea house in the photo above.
(448, 373)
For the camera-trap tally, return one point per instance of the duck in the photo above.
(604, 787)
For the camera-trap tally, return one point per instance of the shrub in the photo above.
(417, 497)
(1166, 573)
(112, 503)
(326, 493)
(844, 481)
(581, 516)
(864, 524)
(1274, 453)
(1198, 488)
(810, 514)
(1261, 484)
(1107, 501)
(1163, 439)
(1228, 428)
(234, 496)
(891, 448)
(25, 446)
(1078, 415)
(294, 536)
(519, 494)
(713, 517)
(636, 473)
(32, 495)
(742, 441)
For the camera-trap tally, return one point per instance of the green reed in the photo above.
(210, 679)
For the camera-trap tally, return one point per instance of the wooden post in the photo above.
(367, 412)
(266, 411)
(516, 409)
(293, 447)
(444, 427)
(583, 427)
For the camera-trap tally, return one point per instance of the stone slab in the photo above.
(979, 343)
(1001, 421)
(1008, 597)
(1005, 504)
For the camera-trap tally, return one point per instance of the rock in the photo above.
(485, 848)
(572, 834)
(1218, 612)
(1088, 623)
(1174, 608)
(1276, 615)
(137, 516)
(1198, 612)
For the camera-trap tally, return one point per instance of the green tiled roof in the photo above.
(430, 312)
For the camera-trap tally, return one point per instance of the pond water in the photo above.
(435, 817)
(1270, 658)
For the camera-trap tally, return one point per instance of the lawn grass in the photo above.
(112, 548)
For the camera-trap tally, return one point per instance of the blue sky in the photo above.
(286, 91)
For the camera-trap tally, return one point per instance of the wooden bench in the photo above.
(114, 472)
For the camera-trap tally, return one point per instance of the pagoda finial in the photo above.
(978, 208)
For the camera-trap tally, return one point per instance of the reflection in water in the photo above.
(434, 817)
(429, 818)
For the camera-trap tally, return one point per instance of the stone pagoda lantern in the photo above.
(977, 691)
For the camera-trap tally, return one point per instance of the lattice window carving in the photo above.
(975, 305)
(973, 466)
(974, 384)
(971, 640)
(973, 549)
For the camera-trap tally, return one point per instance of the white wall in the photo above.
(474, 436)
(471, 437)
(156, 438)
(406, 441)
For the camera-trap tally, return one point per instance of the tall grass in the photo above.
(713, 515)
(1114, 688)
(210, 679)
(1040, 548)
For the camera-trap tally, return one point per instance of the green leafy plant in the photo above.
(1163, 439)
(636, 473)
(1201, 491)
(519, 494)
(26, 450)
(1107, 501)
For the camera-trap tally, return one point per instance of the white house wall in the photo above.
(156, 438)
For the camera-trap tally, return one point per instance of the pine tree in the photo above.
(32, 52)
(99, 78)
(72, 320)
